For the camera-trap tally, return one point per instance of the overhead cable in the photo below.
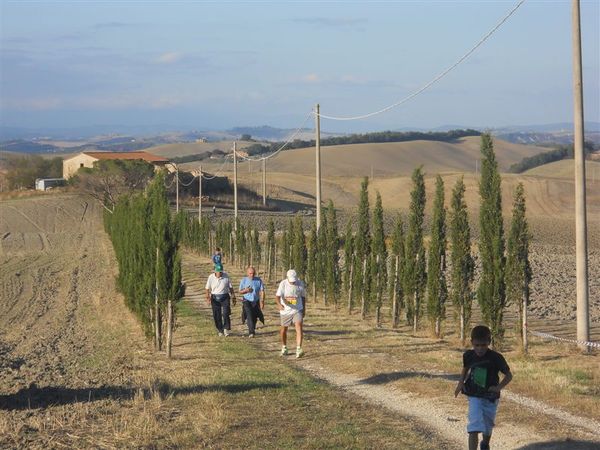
(436, 79)
(293, 136)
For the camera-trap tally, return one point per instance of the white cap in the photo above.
(292, 276)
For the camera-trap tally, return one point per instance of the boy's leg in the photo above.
(489, 417)
(473, 440)
(485, 440)
(476, 420)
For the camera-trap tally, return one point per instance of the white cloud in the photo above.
(169, 58)
(311, 78)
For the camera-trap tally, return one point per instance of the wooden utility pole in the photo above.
(200, 194)
(318, 163)
(264, 181)
(235, 197)
(583, 316)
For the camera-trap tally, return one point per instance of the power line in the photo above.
(219, 170)
(437, 78)
(293, 136)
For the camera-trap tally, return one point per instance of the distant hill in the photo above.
(565, 169)
(399, 158)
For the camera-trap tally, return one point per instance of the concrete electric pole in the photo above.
(583, 317)
(264, 181)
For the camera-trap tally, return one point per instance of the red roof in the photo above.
(128, 155)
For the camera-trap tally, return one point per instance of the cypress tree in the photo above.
(321, 261)
(397, 271)
(256, 249)
(491, 293)
(270, 256)
(437, 292)
(378, 276)
(299, 253)
(311, 268)
(363, 248)
(518, 269)
(348, 263)
(415, 272)
(285, 254)
(461, 260)
(332, 266)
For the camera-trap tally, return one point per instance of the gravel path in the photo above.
(439, 415)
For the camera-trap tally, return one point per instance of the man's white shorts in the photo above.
(482, 414)
(290, 316)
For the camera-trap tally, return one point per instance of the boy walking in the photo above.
(291, 301)
(253, 291)
(217, 257)
(479, 381)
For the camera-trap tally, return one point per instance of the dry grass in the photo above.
(566, 169)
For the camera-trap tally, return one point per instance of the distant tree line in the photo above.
(367, 138)
(558, 154)
(22, 171)
(198, 156)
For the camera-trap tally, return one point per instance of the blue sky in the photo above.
(200, 65)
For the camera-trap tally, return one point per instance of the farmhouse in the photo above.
(87, 159)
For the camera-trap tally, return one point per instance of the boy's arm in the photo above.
(461, 382)
(505, 380)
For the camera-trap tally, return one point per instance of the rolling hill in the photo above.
(566, 169)
(398, 158)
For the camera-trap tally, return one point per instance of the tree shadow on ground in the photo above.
(327, 332)
(382, 378)
(35, 398)
(567, 444)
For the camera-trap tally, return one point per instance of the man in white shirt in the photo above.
(218, 292)
(291, 301)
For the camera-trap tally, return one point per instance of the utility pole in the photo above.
(583, 307)
(264, 181)
(318, 163)
(200, 194)
(177, 189)
(235, 197)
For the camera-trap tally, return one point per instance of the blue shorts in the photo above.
(482, 413)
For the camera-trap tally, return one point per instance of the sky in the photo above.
(217, 65)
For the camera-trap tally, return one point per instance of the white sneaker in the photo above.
(284, 351)
(226, 332)
(299, 352)
(220, 334)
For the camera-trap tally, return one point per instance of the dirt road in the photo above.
(372, 364)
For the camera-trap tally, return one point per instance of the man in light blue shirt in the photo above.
(253, 291)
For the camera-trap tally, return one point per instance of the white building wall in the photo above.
(74, 163)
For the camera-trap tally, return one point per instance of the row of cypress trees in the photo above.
(146, 239)
(418, 281)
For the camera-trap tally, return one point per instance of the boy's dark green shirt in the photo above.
(482, 372)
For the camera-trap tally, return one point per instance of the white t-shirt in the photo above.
(293, 295)
(220, 285)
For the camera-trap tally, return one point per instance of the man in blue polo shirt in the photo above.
(253, 291)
